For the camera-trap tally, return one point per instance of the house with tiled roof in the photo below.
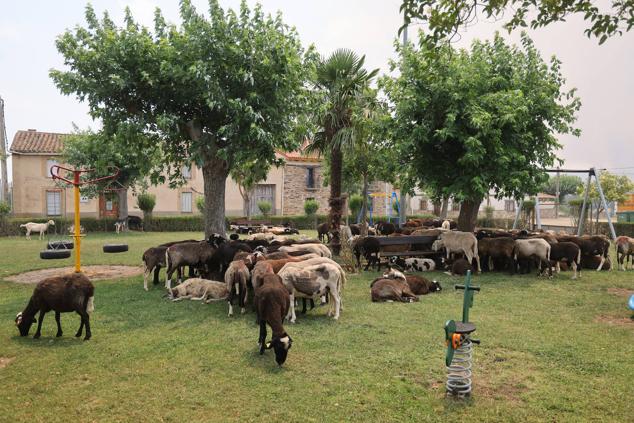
(35, 194)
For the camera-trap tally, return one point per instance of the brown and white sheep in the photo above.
(567, 252)
(393, 288)
(62, 294)
(624, 251)
(272, 302)
(311, 281)
(236, 279)
(417, 284)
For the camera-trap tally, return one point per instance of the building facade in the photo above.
(36, 194)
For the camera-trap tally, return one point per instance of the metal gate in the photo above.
(261, 192)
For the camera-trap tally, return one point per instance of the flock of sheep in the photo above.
(279, 270)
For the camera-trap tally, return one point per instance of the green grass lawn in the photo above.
(552, 350)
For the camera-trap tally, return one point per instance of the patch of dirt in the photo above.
(5, 361)
(615, 320)
(95, 273)
(621, 292)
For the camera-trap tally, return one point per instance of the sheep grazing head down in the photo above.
(281, 347)
(24, 323)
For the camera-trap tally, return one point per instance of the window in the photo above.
(509, 205)
(186, 171)
(49, 164)
(53, 203)
(455, 206)
(310, 178)
(186, 202)
(423, 205)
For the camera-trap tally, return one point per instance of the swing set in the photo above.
(76, 182)
(393, 202)
(591, 172)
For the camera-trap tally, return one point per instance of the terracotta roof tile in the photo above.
(37, 142)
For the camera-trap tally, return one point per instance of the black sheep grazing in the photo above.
(223, 256)
(323, 232)
(568, 252)
(272, 302)
(62, 294)
(368, 247)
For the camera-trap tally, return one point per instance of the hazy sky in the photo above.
(603, 75)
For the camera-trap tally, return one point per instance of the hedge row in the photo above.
(11, 226)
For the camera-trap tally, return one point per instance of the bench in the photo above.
(426, 241)
(245, 226)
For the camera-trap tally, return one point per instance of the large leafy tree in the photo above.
(218, 92)
(472, 122)
(568, 184)
(445, 17)
(340, 80)
(87, 149)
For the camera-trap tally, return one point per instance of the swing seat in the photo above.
(115, 248)
(60, 245)
(54, 254)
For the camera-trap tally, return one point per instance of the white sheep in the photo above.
(41, 228)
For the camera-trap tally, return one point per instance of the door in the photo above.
(261, 192)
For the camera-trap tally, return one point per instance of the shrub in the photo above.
(354, 204)
(200, 204)
(265, 207)
(5, 209)
(310, 207)
(146, 202)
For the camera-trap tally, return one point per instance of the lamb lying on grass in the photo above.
(200, 290)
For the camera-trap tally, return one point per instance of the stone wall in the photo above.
(296, 192)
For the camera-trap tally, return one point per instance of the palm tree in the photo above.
(340, 80)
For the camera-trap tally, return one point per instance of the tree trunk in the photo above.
(364, 207)
(436, 205)
(335, 202)
(215, 174)
(468, 215)
(123, 204)
(445, 208)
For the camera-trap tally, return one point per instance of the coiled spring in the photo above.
(459, 372)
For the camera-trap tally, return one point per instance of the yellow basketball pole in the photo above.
(77, 235)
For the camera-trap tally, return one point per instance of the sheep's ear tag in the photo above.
(268, 345)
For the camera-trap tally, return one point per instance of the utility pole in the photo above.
(557, 194)
(403, 200)
(4, 178)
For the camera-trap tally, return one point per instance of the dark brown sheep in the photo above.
(272, 302)
(62, 294)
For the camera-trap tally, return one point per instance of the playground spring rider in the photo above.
(459, 345)
(76, 183)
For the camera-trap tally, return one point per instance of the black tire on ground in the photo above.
(54, 254)
(61, 245)
(115, 248)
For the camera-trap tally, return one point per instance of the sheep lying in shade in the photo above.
(62, 294)
(413, 264)
(417, 284)
(199, 290)
(391, 289)
(320, 249)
